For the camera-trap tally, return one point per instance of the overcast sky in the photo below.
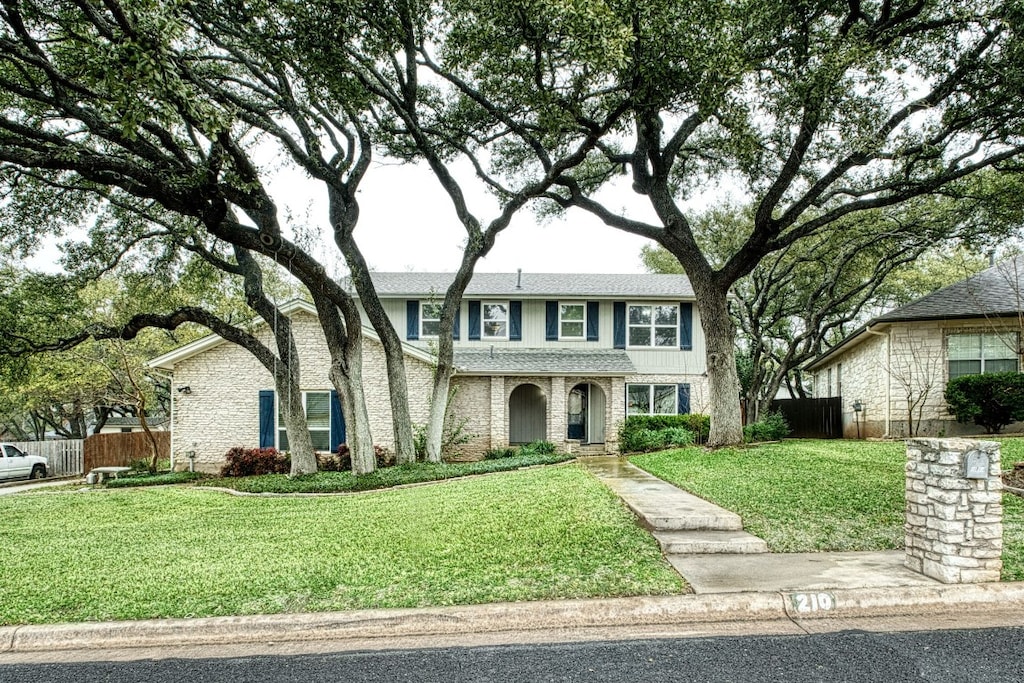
(407, 223)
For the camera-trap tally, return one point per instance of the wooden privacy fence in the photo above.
(812, 418)
(121, 450)
(63, 458)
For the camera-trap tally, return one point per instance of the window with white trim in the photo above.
(494, 320)
(430, 319)
(656, 325)
(980, 352)
(317, 405)
(652, 399)
(572, 321)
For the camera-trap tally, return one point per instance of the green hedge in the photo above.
(695, 423)
(992, 400)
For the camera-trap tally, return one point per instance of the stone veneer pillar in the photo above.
(499, 433)
(556, 412)
(954, 513)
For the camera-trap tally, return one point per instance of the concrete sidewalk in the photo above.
(665, 508)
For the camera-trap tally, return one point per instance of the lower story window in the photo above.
(651, 399)
(317, 405)
(973, 354)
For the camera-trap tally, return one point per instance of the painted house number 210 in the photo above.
(813, 602)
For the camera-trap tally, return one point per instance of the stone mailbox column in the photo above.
(954, 521)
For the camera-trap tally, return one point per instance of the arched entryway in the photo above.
(527, 414)
(585, 409)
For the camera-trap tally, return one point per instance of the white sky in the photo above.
(407, 223)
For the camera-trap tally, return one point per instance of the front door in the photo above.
(577, 418)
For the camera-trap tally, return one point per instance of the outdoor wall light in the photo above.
(857, 406)
(185, 390)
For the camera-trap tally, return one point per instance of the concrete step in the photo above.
(690, 542)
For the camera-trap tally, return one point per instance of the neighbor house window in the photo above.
(572, 320)
(430, 319)
(654, 326)
(495, 320)
(973, 354)
(317, 405)
(651, 399)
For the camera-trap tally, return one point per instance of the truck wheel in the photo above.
(38, 472)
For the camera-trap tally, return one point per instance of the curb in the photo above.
(523, 616)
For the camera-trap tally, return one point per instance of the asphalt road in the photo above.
(983, 655)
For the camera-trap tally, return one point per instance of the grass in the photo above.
(385, 477)
(534, 534)
(799, 495)
(813, 496)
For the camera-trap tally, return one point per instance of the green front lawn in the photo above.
(814, 495)
(177, 552)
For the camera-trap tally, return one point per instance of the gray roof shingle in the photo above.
(543, 362)
(996, 291)
(536, 285)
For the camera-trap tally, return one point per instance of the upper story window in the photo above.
(495, 320)
(975, 353)
(317, 405)
(572, 319)
(656, 325)
(430, 319)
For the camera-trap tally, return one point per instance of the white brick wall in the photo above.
(222, 410)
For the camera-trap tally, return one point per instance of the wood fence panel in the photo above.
(812, 418)
(121, 450)
(63, 457)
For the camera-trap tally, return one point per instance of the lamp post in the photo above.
(858, 407)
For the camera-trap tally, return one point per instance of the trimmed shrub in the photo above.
(497, 453)
(992, 400)
(341, 461)
(537, 448)
(644, 433)
(695, 423)
(771, 427)
(247, 462)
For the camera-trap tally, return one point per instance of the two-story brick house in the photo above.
(558, 357)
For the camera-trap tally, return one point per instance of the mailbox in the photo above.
(976, 465)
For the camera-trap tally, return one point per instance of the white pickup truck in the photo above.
(16, 464)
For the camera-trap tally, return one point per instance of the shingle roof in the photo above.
(996, 291)
(543, 362)
(536, 285)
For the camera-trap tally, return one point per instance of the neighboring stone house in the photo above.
(556, 357)
(124, 425)
(896, 367)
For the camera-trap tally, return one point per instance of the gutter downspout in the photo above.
(170, 418)
(886, 378)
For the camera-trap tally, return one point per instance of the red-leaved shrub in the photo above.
(247, 462)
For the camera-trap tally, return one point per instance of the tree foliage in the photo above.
(991, 400)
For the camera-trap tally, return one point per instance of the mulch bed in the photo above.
(1015, 477)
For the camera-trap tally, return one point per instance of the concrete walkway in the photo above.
(706, 544)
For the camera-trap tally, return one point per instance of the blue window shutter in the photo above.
(412, 320)
(455, 325)
(267, 418)
(515, 321)
(593, 321)
(686, 326)
(619, 324)
(684, 399)
(337, 422)
(474, 321)
(550, 321)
